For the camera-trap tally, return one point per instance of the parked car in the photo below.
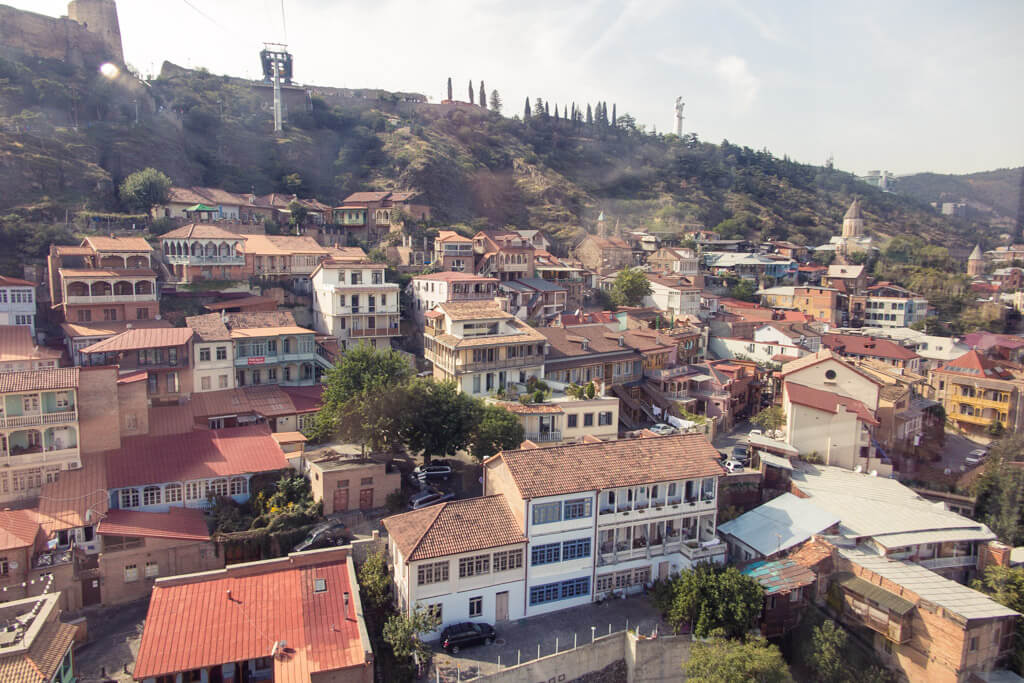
(733, 466)
(662, 429)
(976, 457)
(323, 536)
(433, 472)
(741, 453)
(458, 636)
(755, 432)
(428, 498)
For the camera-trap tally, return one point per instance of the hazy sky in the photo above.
(890, 85)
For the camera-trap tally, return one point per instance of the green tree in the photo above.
(471, 93)
(526, 112)
(438, 418)
(402, 633)
(770, 419)
(297, 214)
(495, 101)
(828, 643)
(743, 291)
(292, 182)
(590, 115)
(1000, 491)
(375, 583)
(1006, 586)
(142, 190)
(731, 661)
(483, 96)
(497, 430)
(449, 88)
(615, 118)
(630, 287)
(362, 397)
(538, 108)
(712, 599)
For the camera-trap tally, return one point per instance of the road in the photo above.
(955, 449)
(738, 435)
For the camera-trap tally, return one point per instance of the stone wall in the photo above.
(37, 35)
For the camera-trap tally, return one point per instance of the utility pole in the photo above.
(277, 99)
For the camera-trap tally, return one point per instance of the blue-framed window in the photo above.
(545, 554)
(574, 550)
(546, 513)
(578, 508)
(561, 590)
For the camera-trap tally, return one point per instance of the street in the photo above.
(114, 635)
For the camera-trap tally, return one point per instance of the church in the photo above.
(852, 240)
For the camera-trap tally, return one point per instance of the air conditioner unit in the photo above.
(74, 465)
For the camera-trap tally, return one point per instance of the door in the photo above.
(340, 499)
(501, 606)
(90, 592)
(663, 570)
(365, 499)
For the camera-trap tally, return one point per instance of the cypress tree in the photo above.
(556, 112)
(565, 112)
(538, 108)
(590, 115)
(527, 112)
(483, 96)
(471, 92)
(547, 109)
(449, 88)
(615, 118)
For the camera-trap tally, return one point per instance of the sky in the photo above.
(905, 87)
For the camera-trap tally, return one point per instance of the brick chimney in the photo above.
(994, 553)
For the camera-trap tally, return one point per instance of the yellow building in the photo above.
(977, 392)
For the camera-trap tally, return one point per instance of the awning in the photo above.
(201, 207)
(697, 378)
(873, 592)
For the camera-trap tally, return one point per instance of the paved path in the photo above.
(114, 635)
(518, 640)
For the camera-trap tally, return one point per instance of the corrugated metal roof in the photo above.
(779, 524)
(179, 523)
(978, 533)
(132, 340)
(873, 592)
(953, 596)
(781, 576)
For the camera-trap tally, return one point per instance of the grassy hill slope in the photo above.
(998, 191)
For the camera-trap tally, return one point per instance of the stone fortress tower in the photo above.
(100, 18)
(976, 262)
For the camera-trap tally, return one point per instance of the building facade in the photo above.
(18, 303)
(437, 288)
(198, 252)
(353, 302)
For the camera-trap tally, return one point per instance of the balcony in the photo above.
(36, 419)
(972, 419)
(52, 558)
(548, 436)
(112, 298)
(189, 260)
(500, 364)
(982, 402)
(376, 332)
(36, 454)
(949, 562)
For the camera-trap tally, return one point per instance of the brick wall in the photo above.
(97, 409)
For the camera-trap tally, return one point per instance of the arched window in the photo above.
(151, 495)
(172, 493)
(193, 490)
(217, 488)
(225, 250)
(101, 289)
(239, 486)
(129, 498)
(143, 287)
(196, 249)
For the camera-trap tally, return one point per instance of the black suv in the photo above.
(458, 636)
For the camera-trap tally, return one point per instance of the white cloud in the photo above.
(738, 80)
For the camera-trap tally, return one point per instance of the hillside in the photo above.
(474, 166)
(996, 191)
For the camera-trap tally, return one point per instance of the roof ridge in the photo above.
(428, 527)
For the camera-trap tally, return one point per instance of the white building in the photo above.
(889, 305)
(18, 303)
(463, 559)
(213, 353)
(352, 301)
(758, 351)
(438, 288)
(933, 349)
(673, 294)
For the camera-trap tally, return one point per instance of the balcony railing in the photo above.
(52, 558)
(35, 419)
(470, 296)
(376, 332)
(982, 402)
(973, 419)
(500, 364)
(947, 562)
(36, 454)
(190, 260)
(552, 435)
(111, 298)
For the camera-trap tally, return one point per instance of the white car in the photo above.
(755, 432)
(976, 457)
(662, 429)
(733, 466)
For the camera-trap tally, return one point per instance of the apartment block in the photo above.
(978, 392)
(438, 288)
(481, 347)
(453, 252)
(159, 356)
(353, 302)
(213, 353)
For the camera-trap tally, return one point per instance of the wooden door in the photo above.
(365, 499)
(663, 570)
(501, 606)
(340, 499)
(90, 592)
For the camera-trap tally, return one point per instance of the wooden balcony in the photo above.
(36, 419)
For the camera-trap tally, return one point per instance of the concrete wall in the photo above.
(647, 661)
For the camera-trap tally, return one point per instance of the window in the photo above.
(794, 595)
(476, 607)
(604, 583)
(239, 486)
(129, 498)
(545, 513)
(436, 610)
(152, 570)
(575, 550)
(474, 566)
(366, 481)
(771, 602)
(547, 553)
(84, 316)
(172, 493)
(222, 353)
(4, 568)
(604, 419)
(545, 593)
(172, 382)
(578, 508)
(151, 495)
(564, 590)
(974, 644)
(30, 404)
(222, 381)
(506, 560)
(204, 353)
(110, 314)
(152, 383)
(131, 573)
(435, 572)
(193, 490)
(142, 314)
(576, 587)
(571, 421)
(272, 375)
(588, 419)
(217, 487)
(204, 383)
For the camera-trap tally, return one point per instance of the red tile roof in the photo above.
(986, 340)
(820, 356)
(42, 660)
(201, 231)
(974, 364)
(194, 455)
(64, 503)
(828, 402)
(610, 464)
(132, 340)
(855, 344)
(14, 282)
(18, 529)
(39, 380)
(455, 527)
(179, 523)
(238, 613)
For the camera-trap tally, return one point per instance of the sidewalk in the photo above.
(518, 641)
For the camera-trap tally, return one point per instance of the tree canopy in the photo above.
(630, 287)
(712, 600)
(142, 190)
(1000, 491)
(770, 419)
(733, 661)
(497, 430)
(1006, 586)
